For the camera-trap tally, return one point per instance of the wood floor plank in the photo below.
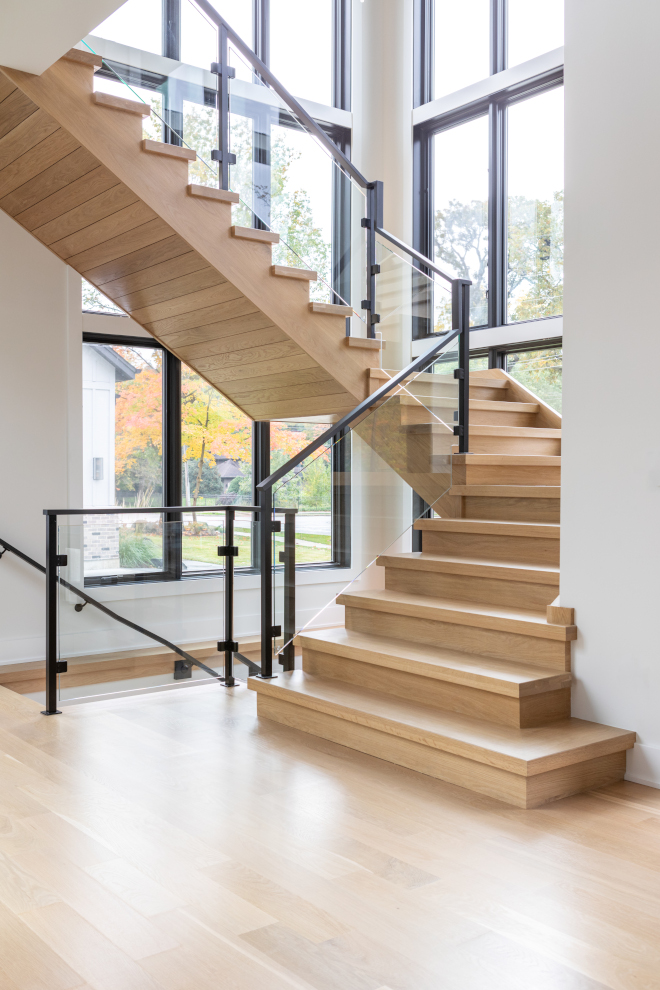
(29, 960)
(6, 87)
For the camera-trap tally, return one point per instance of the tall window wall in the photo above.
(489, 168)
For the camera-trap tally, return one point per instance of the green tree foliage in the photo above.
(535, 256)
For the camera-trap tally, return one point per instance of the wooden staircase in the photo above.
(75, 173)
(460, 666)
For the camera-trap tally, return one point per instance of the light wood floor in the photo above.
(173, 842)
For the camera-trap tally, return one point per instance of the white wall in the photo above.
(610, 568)
(40, 331)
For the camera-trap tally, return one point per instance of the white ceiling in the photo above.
(35, 33)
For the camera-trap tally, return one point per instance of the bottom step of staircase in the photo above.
(522, 767)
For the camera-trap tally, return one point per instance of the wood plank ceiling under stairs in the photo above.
(459, 667)
(75, 173)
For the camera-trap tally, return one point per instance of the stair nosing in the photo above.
(470, 566)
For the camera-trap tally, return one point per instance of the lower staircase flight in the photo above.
(460, 666)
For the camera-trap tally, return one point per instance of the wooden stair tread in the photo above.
(482, 615)
(490, 527)
(480, 430)
(522, 751)
(508, 491)
(426, 376)
(508, 460)
(284, 271)
(416, 560)
(499, 676)
(485, 405)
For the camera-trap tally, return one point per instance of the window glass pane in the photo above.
(460, 195)
(310, 491)
(462, 44)
(94, 301)
(137, 24)
(216, 451)
(540, 372)
(301, 47)
(536, 207)
(535, 26)
(122, 457)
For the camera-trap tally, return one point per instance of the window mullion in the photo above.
(497, 36)
(497, 215)
(172, 534)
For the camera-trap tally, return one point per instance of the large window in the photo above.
(489, 172)
(460, 210)
(155, 433)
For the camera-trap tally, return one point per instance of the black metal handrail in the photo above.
(108, 611)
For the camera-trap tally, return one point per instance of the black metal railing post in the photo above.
(288, 558)
(52, 563)
(228, 646)
(372, 221)
(460, 305)
(266, 562)
(224, 72)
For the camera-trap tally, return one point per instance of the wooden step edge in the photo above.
(558, 615)
(469, 670)
(252, 234)
(526, 574)
(476, 405)
(210, 192)
(509, 460)
(329, 309)
(169, 150)
(366, 343)
(83, 58)
(465, 736)
(507, 491)
(490, 527)
(282, 271)
(120, 103)
(479, 430)
(459, 614)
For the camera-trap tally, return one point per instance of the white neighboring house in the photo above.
(102, 368)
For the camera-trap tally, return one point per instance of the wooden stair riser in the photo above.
(514, 594)
(510, 509)
(503, 474)
(511, 549)
(525, 712)
(515, 789)
(550, 446)
(521, 648)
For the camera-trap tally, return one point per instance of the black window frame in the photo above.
(340, 539)
(495, 106)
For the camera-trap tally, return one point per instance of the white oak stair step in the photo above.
(508, 491)
(486, 581)
(211, 192)
(169, 150)
(495, 690)
(283, 271)
(499, 540)
(503, 632)
(485, 439)
(330, 309)
(506, 469)
(122, 104)
(253, 234)
(524, 767)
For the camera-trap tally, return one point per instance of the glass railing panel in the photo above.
(182, 95)
(288, 182)
(123, 562)
(412, 304)
(403, 445)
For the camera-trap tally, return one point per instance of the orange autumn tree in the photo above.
(210, 424)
